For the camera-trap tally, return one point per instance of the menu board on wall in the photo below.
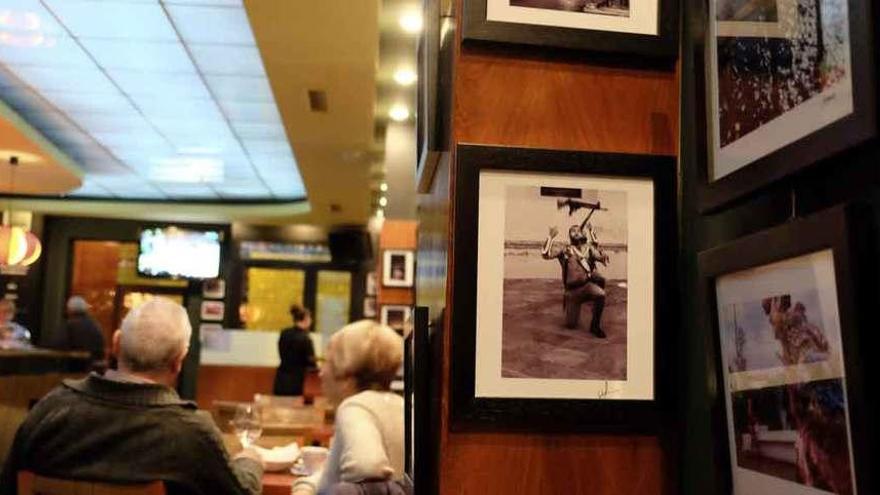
(269, 294)
(333, 302)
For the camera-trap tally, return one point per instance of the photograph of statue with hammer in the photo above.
(565, 283)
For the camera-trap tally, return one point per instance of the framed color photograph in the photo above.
(212, 310)
(783, 312)
(398, 268)
(566, 248)
(396, 317)
(646, 28)
(788, 83)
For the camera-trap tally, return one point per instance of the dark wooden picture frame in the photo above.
(419, 455)
(434, 92)
(563, 414)
(664, 45)
(848, 232)
(857, 127)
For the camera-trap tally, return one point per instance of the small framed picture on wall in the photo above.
(631, 27)
(213, 310)
(214, 288)
(396, 317)
(369, 307)
(398, 268)
(556, 309)
(783, 315)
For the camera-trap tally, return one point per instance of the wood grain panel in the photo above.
(563, 104)
(514, 98)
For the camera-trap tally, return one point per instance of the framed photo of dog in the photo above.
(566, 248)
(783, 316)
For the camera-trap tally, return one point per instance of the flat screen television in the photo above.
(174, 252)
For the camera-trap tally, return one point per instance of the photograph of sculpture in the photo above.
(780, 330)
(784, 379)
(779, 70)
(602, 7)
(565, 283)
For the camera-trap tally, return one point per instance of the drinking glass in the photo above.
(247, 424)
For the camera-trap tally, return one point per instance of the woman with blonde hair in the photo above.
(360, 362)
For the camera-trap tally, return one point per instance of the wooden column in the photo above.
(506, 96)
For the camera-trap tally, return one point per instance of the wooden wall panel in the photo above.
(507, 98)
(232, 383)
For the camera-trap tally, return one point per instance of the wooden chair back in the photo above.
(31, 484)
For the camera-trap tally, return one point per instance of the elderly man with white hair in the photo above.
(130, 425)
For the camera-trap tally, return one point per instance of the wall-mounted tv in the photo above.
(174, 252)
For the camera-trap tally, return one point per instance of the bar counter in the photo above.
(26, 375)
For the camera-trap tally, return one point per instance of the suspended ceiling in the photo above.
(204, 100)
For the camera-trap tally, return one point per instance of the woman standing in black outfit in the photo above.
(297, 353)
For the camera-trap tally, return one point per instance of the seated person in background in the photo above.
(81, 332)
(12, 334)
(130, 426)
(360, 362)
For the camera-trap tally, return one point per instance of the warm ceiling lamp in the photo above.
(405, 76)
(18, 246)
(411, 22)
(399, 113)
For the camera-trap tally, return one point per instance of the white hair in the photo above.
(77, 304)
(367, 351)
(154, 334)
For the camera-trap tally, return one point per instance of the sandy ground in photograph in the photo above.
(536, 344)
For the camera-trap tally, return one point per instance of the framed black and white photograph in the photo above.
(788, 83)
(565, 248)
(370, 288)
(396, 317)
(212, 310)
(645, 28)
(369, 307)
(783, 313)
(214, 288)
(398, 268)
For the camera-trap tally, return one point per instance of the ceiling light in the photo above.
(405, 76)
(383, 201)
(411, 22)
(383, 186)
(399, 113)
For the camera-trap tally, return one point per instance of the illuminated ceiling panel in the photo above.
(154, 99)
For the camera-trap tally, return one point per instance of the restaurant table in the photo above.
(278, 483)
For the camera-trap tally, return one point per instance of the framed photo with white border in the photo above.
(786, 309)
(398, 268)
(541, 347)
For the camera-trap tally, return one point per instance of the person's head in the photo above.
(576, 235)
(7, 310)
(154, 340)
(363, 355)
(302, 317)
(76, 305)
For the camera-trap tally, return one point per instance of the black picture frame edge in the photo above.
(558, 415)
(807, 152)
(847, 231)
(476, 29)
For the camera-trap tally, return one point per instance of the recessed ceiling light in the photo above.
(383, 186)
(411, 22)
(405, 76)
(399, 113)
(383, 201)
